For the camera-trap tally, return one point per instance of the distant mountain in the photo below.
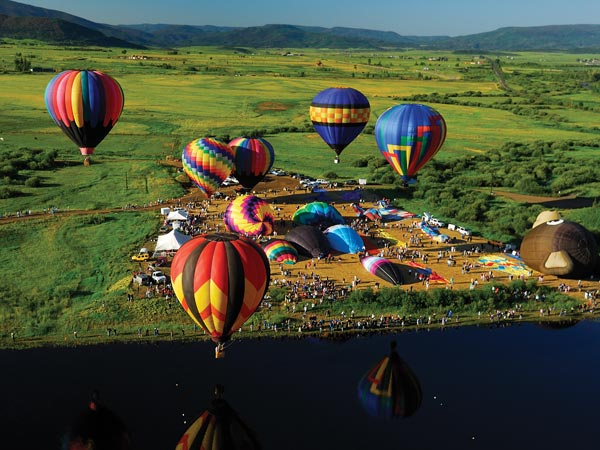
(548, 38)
(21, 21)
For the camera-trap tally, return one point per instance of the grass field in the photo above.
(173, 97)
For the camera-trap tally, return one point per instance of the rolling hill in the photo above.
(20, 21)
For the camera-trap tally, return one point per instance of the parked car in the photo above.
(321, 181)
(463, 231)
(159, 277)
(278, 172)
(142, 279)
(141, 257)
(436, 222)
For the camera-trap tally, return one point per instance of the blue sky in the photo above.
(424, 18)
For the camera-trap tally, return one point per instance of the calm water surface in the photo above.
(520, 387)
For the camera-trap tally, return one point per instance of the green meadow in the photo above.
(70, 273)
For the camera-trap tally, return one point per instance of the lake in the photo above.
(521, 387)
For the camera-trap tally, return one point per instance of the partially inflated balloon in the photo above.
(249, 215)
(220, 280)
(207, 162)
(281, 251)
(344, 238)
(309, 241)
(408, 136)
(254, 158)
(85, 105)
(339, 114)
(383, 268)
(318, 213)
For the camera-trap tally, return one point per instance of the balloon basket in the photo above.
(219, 352)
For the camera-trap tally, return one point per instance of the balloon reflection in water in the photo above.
(218, 428)
(97, 428)
(390, 389)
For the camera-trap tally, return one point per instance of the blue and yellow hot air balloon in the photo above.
(254, 158)
(220, 280)
(409, 135)
(249, 215)
(207, 162)
(85, 104)
(339, 114)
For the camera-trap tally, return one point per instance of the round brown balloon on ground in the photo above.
(562, 248)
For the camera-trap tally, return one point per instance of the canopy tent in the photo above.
(171, 241)
(178, 214)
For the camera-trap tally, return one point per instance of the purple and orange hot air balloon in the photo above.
(220, 280)
(86, 105)
(207, 162)
(249, 215)
(254, 158)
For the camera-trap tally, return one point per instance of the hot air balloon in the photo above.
(339, 114)
(309, 241)
(383, 268)
(390, 389)
(85, 104)
(318, 213)
(562, 248)
(97, 428)
(219, 428)
(220, 280)
(344, 238)
(207, 162)
(408, 136)
(254, 158)
(281, 251)
(249, 215)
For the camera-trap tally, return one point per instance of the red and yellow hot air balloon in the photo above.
(207, 162)
(85, 104)
(220, 280)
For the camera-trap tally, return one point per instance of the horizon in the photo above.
(439, 18)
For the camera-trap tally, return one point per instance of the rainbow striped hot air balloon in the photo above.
(254, 157)
(85, 105)
(339, 114)
(281, 251)
(220, 280)
(249, 215)
(207, 162)
(408, 136)
(390, 389)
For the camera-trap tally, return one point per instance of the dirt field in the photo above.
(487, 261)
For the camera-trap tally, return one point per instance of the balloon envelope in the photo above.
(344, 238)
(254, 157)
(390, 389)
(207, 162)
(562, 248)
(309, 241)
(220, 280)
(409, 135)
(249, 215)
(383, 268)
(281, 251)
(318, 213)
(85, 104)
(339, 114)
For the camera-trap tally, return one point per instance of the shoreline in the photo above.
(341, 334)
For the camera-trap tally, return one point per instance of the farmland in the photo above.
(548, 119)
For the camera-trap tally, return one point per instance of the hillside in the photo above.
(20, 21)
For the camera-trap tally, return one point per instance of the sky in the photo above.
(421, 18)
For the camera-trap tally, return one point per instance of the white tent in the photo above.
(179, 214)
(171, 241)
